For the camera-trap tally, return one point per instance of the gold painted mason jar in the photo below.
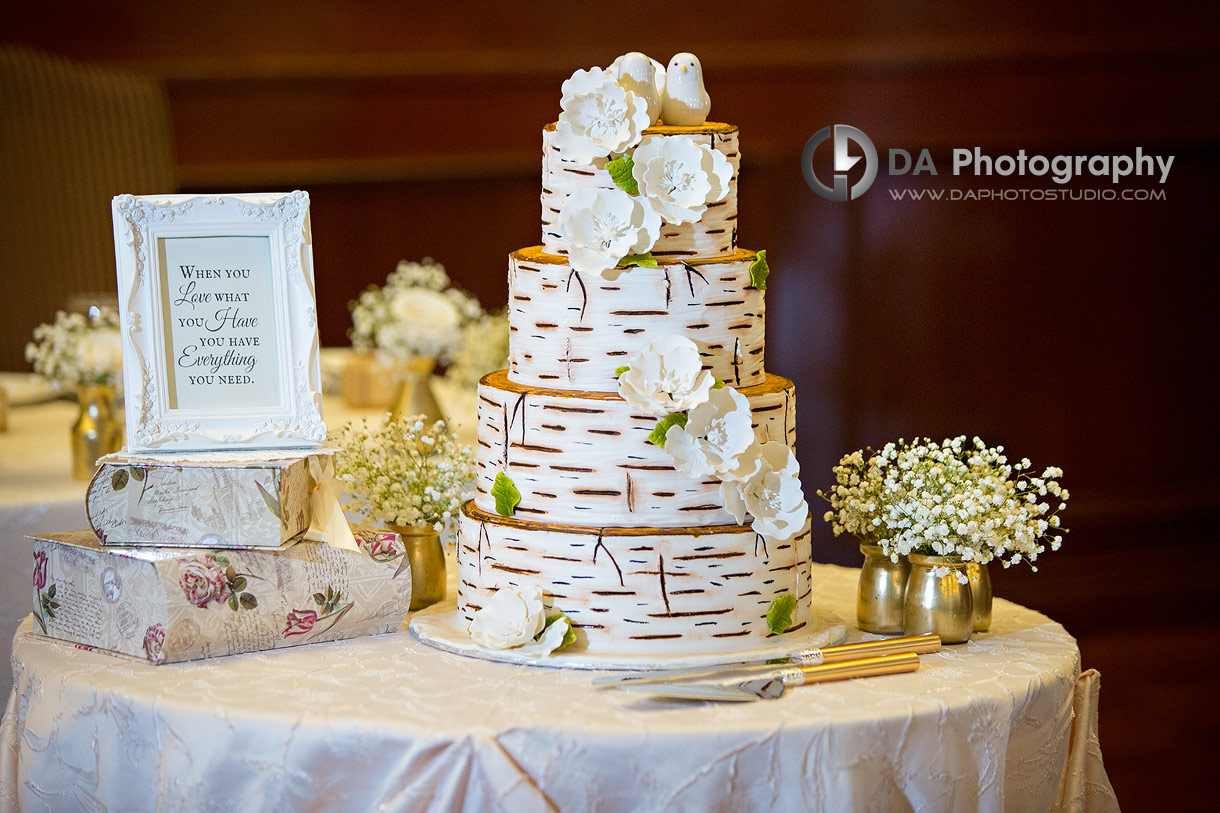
(980, 593)
(98, 430)
(415, 395)
(882, 588)
(939, 603)
(427, 558)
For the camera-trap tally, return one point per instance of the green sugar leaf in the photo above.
(718, 385)
(657, 436)
(506, 494)
(779, 617)
(620, 173)
(621, 370)
(569, 637)
(645, 260)
(759, 271)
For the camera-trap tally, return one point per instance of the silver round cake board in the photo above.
(443, 626)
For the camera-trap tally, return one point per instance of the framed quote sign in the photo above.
(219, 322)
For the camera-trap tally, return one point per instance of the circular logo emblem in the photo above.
(841, 136)
(128, 619)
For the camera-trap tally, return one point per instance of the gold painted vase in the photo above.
(980, 593)
(881, 592)
(97, 431)
(427, 558)
(415, 395)
(939, 604)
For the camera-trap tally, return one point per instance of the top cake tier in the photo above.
(714, 235)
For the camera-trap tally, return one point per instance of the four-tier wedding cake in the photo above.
(635, 460)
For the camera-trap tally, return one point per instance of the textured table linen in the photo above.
(387, 723)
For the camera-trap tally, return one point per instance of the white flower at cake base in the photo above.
(599, 117)
(680, 176)
(716, 434)
(666, 377)
(602, 226)
(770, 491)
(510, 618)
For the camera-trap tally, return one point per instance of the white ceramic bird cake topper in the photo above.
(684, 101)
(643, 76)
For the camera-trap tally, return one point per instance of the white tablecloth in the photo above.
(37, 492)
(389, 724)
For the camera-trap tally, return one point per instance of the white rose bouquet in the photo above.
(79, 350)
(406, 473)
(418, 313)
(950, 498)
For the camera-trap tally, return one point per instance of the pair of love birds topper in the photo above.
(675, 92)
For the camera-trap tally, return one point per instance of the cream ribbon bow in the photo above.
(328, 520)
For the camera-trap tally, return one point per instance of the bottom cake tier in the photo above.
(680, 590)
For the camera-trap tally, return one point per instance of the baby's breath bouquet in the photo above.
(953, 498)
(405, 473)
(78, 350)
(418, 313)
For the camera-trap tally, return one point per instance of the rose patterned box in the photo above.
(201, 500)
(166, 605)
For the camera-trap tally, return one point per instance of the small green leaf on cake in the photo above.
(779, 617)
(718, 384)
(645, 260)
(657, 436)
(569, 637)
(759, 271)
(506, 494)
(621, 370)
(620, 173)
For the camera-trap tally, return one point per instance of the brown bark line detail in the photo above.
(584, 294)
(668, 289)
(787, 407)
(504, 437)
(602, 546)
(479, 548)
(661, 569)
(567, 359)
(520, 405)
(630, 494)
(760, 538)
(737, 361)
(692, 272)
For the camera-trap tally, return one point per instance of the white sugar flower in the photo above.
(717, 432)
(598, 117)
(510, 618)
(771, 495)
(551, 639)
(602, 226)
(666, 377)
(680, 176)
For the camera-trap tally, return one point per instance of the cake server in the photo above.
(773, 685)
(918, 644)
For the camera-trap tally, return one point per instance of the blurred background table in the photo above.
(1005, 722)
(37, 492)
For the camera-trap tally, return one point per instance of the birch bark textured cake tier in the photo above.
(637, 484)
(585, 458)
(573, 331)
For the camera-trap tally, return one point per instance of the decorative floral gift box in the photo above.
(169, 605)
(201, 500)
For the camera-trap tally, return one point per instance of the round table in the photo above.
(388, 723)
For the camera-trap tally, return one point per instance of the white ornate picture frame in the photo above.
(219, 322)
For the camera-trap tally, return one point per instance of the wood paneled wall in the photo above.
(1077, 333)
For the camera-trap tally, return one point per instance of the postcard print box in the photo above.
(203, 500)
(168, 605)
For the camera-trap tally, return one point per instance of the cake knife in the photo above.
(918, 644)
(771, 686)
